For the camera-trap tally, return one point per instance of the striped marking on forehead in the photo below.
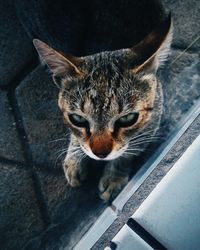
(101, 102)
(106, 76)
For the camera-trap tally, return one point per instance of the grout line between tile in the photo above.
(20, 77)
(12, 162)
(27, 155)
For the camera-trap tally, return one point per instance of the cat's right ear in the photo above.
(60, 65)
(151, 52)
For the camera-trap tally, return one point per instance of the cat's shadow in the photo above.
(79, 199)
(78, 211)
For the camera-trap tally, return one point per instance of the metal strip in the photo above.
(146, 236)
(95, 232)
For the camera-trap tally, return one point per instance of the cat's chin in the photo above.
(112, 156)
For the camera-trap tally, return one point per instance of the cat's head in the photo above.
(107, 98)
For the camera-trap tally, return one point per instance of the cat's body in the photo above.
(110, 97)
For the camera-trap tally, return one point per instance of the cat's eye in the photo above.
(78, 120)
(127, 120)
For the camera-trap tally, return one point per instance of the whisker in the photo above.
(182, 53)
(139, 142)
(127, 154)
(60, 150)
(74, 148)
(56, 140)
(134, 149)
(146, 134)
(147, 137)
(74, 152)
(60, 139)
(58, 157)
(81, 157)
(144, 139)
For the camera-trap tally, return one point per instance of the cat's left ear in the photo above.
(151, 52)
(59, 64)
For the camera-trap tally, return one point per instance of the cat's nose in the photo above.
(101, 145)
(102, 155)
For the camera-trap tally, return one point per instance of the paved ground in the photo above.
(37, 209)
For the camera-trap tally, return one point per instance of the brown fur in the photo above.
(101, 144)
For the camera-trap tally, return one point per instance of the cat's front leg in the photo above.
(115, 177)
(75, 166)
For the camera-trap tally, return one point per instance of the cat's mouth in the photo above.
(114, 154)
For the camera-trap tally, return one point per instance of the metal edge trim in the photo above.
(98, 228)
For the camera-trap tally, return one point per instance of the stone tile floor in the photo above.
(38, 210)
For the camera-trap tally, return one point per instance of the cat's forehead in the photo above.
(106, 73)
(102, 103)
(93, 99)
(107, 89)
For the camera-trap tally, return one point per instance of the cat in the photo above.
(109, 93)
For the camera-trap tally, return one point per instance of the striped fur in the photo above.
(102, 88)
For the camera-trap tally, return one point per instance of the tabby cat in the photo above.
(109, 93)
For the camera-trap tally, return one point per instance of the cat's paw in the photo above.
(75, 176)
(109, 187)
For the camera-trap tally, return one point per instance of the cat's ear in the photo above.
(151, 52)
(58, 64)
